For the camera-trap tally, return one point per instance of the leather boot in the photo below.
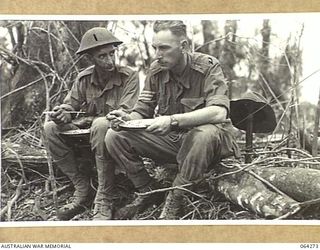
(141, 202)
(173, 206)
(82, 196)
(103, 210)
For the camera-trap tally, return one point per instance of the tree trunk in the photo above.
(209, 29)
(265, 67)
(228, 53)
(251, 194)
(302, 184)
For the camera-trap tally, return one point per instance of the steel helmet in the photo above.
(96, 37)
(264, 119)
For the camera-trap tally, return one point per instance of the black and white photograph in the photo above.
(180, 118)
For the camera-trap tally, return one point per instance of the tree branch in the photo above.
(23, 87)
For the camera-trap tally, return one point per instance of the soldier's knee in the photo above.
(111, 137)
(100, 124)
(206, 134)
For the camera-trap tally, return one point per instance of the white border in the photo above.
(160, 223)
(189, 17)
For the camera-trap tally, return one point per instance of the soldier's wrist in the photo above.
(174, 123)
(127, 117)
(66, 107)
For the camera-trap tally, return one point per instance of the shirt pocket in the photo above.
(191, 104)
(92, 107)
(163, 105)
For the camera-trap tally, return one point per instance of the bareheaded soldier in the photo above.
(192, 128)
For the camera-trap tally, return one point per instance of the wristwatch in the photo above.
(174, 123)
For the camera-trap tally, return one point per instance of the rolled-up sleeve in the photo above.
(146, 109)
(130, 93)
(216, 88)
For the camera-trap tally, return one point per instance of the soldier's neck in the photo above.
(103, 76)
(181, 65)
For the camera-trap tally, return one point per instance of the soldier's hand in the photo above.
(60, 115)
(161, 125)
(117, 117)
(147, 96)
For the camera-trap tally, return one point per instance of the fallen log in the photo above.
(302, 184)
(251, 194)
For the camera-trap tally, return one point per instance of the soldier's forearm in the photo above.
(135, 116)
(212, 114)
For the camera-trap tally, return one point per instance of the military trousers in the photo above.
(60, 150)
(194, 151)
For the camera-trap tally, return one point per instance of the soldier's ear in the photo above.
(184, 45)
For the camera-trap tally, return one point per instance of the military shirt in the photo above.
(202, 84)
(120, 92)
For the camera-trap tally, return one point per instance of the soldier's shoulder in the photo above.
(203, 62)
(86, 72)
(126, 70)
(155, 68)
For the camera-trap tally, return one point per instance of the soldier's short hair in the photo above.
(177, 27)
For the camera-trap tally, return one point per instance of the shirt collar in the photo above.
(115, 79)
(185, 78)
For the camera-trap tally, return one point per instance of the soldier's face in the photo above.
(168, 49)
(104, 57)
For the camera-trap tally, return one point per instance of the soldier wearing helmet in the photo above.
(98, 90)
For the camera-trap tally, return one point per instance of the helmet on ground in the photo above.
(264, 120)
(96, 37)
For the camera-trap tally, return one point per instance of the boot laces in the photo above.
(103, 208)
(103, 211)
(172, 207)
